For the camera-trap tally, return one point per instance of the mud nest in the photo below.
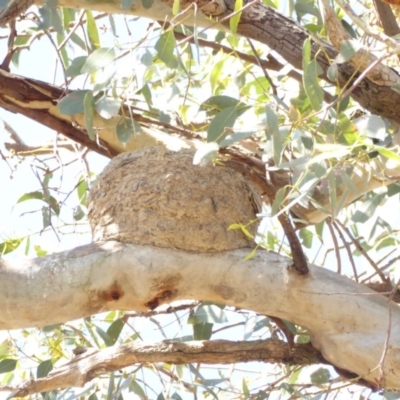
(158, 197)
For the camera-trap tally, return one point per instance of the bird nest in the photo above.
(158, 197)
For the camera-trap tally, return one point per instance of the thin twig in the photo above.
(347, 247)
(363, 252)
(335, 245)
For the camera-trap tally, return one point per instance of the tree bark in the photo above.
(355, 328)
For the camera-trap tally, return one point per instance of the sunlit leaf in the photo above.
(9, 245)
(91, 28)
(100, 58)
(234, 20)
(165, 46)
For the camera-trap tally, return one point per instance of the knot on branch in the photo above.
(158, 197)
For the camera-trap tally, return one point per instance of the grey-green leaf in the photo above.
(220, 126)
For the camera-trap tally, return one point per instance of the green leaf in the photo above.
(137, 389)
(10, 245)
(348, 49)
(115, 329)
(107, 340)
(75, 68)
(46, 217)
(251, 254)
(147, 59)
(124, 129)
(78, 213)
(126, 4)
(279, 200)
(234, 21)
(88, 107)
(7, 365)
(147, 4)
(82, 191)
(165, 49)
(215, 75)
(245, 389)
(92, 31)
(306, 237)
(51, 201)
(306, 53)
(320, 376)
(208, 313)
(176, 7)
(314, 92)
(202, 331)
(273, 134)
(214, 104)
(387, 153)
(333, 72)
(236, 137)
(72, 103)
(40, 252)
(100, 58)
(44, 368)
(78, 41)
(219, 126)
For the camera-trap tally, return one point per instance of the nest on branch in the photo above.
(158, 197)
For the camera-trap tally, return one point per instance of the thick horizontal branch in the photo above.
(93, 363)
(347, 322)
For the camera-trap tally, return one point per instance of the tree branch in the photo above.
(347, 322)
(93, 363)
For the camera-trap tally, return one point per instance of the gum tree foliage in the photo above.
(240, 80)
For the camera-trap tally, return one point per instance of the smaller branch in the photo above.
(335, 245)
(92, 363)
(363, 252)
(347, 247)
(267, 77)
(386, 18)
(23, 149)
